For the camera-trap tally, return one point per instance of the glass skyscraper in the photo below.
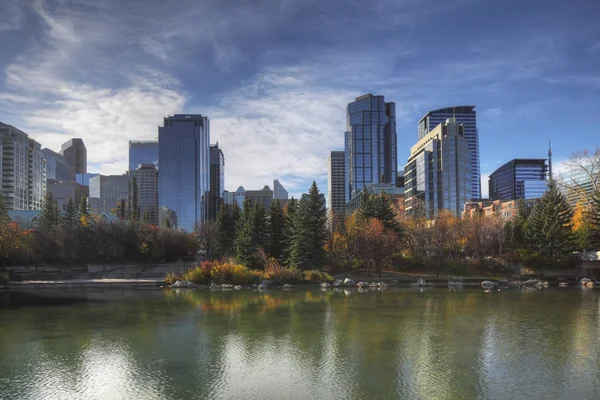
(142, 152)
(76, 155)
(370, 143)
(519, 179)
(466, 116)
(184, 176)
(217, 181)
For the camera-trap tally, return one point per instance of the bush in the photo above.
(316, 276)
(233, 273)
(171, 278)
(4, 278)
(279, 274)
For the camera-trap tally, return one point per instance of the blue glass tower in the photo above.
(519, 179)
(184, 177)
(370, 144)
(142, 152)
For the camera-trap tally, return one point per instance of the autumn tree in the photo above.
(10, 237)
(375, 245)
(584, 163)
(582, 225)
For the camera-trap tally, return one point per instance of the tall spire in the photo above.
(550, 159)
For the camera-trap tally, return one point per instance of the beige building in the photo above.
(146, 177)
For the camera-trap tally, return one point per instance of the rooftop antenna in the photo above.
(550, 159)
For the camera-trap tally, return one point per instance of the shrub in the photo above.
(279, 274)
(4, 278)
(316, 276)
(171, 278)
(234, 273)
(202, 273)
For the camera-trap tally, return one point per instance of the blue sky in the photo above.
(274, 76)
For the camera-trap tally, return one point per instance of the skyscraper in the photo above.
(23, 170)
(57, 169)
(76, 155)
(184, 178)
(438, 171)
(370, 143)
(519, 179)
(146, 179)
(217, 181)
(336, 186)
(142, 152)
(279, 191)
(466, 116)
(107, 192)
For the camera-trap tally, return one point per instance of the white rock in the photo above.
(563, 284)
(488, 284)
(363, 284)
(338, 283)
(326, 285)
(383, 285)
(266, 283)
(349, 282)
(237, 287)
(287, 287)
(226, 286)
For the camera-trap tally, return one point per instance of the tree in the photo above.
(225, 230)
(549, 228)
(276, 224)
(582, 225)
(69, 218)
(83, 206)
(250, 237)
(146, 217)
(381, 207)
(310, 232)
(375, 245)
(594, 221)
(49, 215)
(207, 239)
(134, 212)
(516, 227)
(3, 213)
(291, 210)
(10, 237)
(586, 163)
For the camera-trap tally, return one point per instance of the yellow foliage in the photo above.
(579, 216)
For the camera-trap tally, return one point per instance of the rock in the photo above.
(266, 283)
(177, 284)
(363, 284)
(214, 286)
(373, 284)
(326, 285)
(383, 285)
(502, 282)
(419, 283)
(349, 282)
(338, 283)
(287, 287)
(262, 287)
(254, 286)
(183, 284)
(532, 282)
(590, 284)
(488, 284)
(584, 281)
(394, 282)
(237, 287)
(226, 286)
(546, 284)
(563, 284)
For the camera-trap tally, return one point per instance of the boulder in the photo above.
(546, 284)
(179, 284)
(563, 284)
(394, 282)
(338, 283)
(287, 287)
(349, 282)
(373, 284)
(266, 283)
(237, 287)
(383, 285)
(419, 283)
(584, 281)
(226, 286)
(590, 284)
(363, 284)
(326, 285)
(488, 284)
(262, 287)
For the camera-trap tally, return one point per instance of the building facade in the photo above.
(438, 171)
(263, 196)
(84, 179)
(63, 191)
(22, 169)
(577, 184)
(57, 169)
(142, 152)
(279, 191)
(394, 191)
(466, 116)
(108, 192)
(184, 159)
(489, 208)
(519, 179)
(370, 143)
(336, 187)
(217, 181)
(146, 179)
(75, 154)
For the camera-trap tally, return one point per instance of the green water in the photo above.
(302, 344)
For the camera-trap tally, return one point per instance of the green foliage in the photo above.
(3, 213)
(277, 273)
(290, 217)
(594, 221)
(380, 207)
(49, 215)
(171, 278)
(251, 235)
(83, 206)
(515, 229)
(316, 276)
(276, 231)
(549, 227)
(309, 232)
(227, 220)
(4, 278)
(134, 212)
(539, 262)
(69, 219)
(223, 272)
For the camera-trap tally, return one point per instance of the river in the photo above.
(300, 344)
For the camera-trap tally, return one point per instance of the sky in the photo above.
(274, 77)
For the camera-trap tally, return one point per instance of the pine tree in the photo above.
(3, 213)
(250, 235)
(310, 233)
(594, 220)
(276, 225)
(549, 227)
(83, 207)
(134, 212)
(380, 207)
(49, 215)
(291, 210)
(516, 227)
(70, 217)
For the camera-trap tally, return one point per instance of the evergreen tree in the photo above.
(276, 239)
(380, 207)
(291, 210)
(310, 233)
(249, 235)
(516, 227)
(134, 212)
(3, 213)
(146, 217)
(70, 217)
(259, 225)
(225, 231)
(549, 227)
(594, 220)
(83, 206)
(49, 214)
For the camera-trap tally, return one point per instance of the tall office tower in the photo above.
(466, 116)
(84, 179)
(279, 191)
(23, 170)
(370, 143)
(336, 186)
(184, 160)
(519, 179)
(217, 181)
(146, 178)
(107, 192)
(57, 169)
(438, 171)
(142, 152)
(63, 191)
(263, 196)
(76, 155)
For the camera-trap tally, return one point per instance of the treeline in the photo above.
(74, 236)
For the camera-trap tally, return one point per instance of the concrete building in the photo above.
(370, 143)
(107, 192)
(75, 154)
(146, 178)
(228, 197)
(438, 171)
(63, 191)
(57, 169)
(84, 179)
(184, 160)
(142, 152)
(336, 186)
(217, 181)
(263, 196)
(466, 116)
(22, 169)
(505, 209)
(279, 191)
(519, 179)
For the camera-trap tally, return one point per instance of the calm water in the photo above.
(303, 344)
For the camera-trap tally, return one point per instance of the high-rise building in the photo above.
(578, 184)
(217, 181)
(84, 179)
(466, 116)
(438, 171)
(23, 170)
(107, 192)
(263, 196)
(57, 169)
(370, 143)
(336, 186)
(63, 191)
(519, 179)
(142, 152)
(76, 156)
(184, 160)
(146, 179)
(279, 191)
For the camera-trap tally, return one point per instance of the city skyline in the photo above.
(271, 67)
